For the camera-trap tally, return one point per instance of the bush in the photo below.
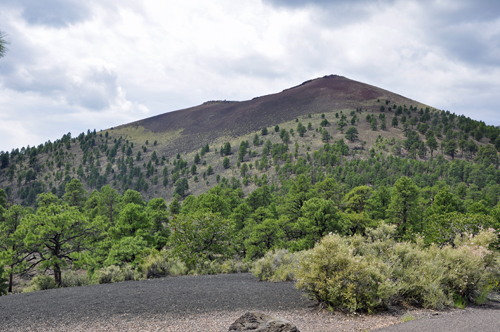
(74, 279)
(164, 263)
(366, 273)
(235, 266)
(161, 263)
(332, 273)
(277, 265)
(41, 282)
(113, 273)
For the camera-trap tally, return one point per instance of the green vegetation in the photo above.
(3, 282)
(375, 271)
(371, 202)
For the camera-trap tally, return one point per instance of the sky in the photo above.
(75, 65)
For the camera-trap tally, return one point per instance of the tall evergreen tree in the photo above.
(75, 194)
(404, 208)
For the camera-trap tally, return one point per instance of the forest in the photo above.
(376, 210)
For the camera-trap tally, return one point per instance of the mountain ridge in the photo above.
(288, 130)
(214, 119)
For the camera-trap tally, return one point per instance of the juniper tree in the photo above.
(351, 134)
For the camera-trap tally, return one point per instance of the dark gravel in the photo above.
(210, 303)
(186, 295)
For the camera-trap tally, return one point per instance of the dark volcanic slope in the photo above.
(211, 120)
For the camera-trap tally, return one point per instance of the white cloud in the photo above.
(110, 62)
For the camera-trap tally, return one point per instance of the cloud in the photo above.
(92, 87)
(51, 13)
(323, 3)
(75, 65)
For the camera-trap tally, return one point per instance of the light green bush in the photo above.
(277, 265)
(164, 263)
(107, 275)
(161, 263)
(40, 282)
(129, 273)
(235, 266)
(113, 273)
(366, 273)
(333, 273)
(74, 279)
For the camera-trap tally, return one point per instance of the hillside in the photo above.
(220, 187)
(151, 155)
(189, 129)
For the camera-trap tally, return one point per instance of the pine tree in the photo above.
(301, 129)
(256, 141)
(175, 207)
(395, 121)
(404, 208)
(225, 162)
(325, 136)
(242, 152)
(226, 150)
(432, 144)
(244, 169)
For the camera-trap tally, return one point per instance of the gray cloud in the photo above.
(321, 3)
(129, 58)
(54, 13)
(96, 91)
(463, 30)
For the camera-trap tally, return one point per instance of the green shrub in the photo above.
(41, 282)
(235, 266)
(277, 265)
(113, 273)
(74, 279)
(107, 275)
(161, 263)
(332, 273)
(129, 273)
(366, 273)
(218, 267)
